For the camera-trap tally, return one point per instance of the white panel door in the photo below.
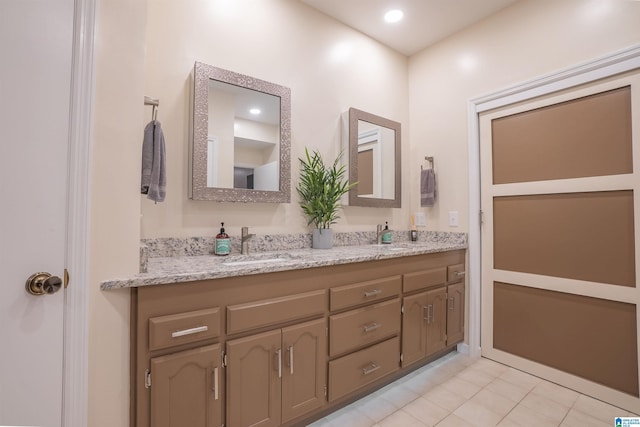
(35, 76)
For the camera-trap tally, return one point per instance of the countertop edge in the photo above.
(344, 255)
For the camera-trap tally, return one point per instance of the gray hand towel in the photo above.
(154, 173)
(427, 187)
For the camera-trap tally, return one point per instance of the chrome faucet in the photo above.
(244, 240)
(379, 232)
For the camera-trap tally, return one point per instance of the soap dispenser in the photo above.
(386, 233)
(222, 244)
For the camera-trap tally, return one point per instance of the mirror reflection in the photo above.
(374, 160)
(241, 138)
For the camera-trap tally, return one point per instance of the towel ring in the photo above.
(430, 160)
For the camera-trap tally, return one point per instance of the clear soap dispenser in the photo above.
(222, 245)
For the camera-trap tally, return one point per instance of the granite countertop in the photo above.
(166, 270)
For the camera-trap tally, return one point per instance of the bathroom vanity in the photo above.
(285, 343)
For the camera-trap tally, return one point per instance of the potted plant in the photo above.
(320, 189)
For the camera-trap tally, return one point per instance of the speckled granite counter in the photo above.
(165, 270)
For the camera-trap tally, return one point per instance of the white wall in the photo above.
(527, 40)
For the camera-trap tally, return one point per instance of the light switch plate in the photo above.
(420, 219)
(453, 218)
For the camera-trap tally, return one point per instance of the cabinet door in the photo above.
(185, 388)
(414, 332)
(305, 368)
(254, 369)
(455, 313)
(436, 320)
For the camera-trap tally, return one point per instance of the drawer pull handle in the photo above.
(215, 383)
(191, 331)
(372, 327)
(428, 313)
(452, 306)
(279, 353)
(460, 273)
(370, 369)
(372, 293)
(291, 359)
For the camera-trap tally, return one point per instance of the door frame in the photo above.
(615, 63)
(75, 327)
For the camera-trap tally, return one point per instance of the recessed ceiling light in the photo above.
(255, 111)
(393, 16)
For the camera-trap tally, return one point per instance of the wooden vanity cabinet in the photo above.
(286, 348)
(432, 319)
(276, 376)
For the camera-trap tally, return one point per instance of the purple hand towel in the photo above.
(427, 187)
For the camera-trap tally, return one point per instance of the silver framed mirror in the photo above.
(374, 160)
(241, 138)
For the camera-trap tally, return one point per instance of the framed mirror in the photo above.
(374, 160)
(240, 149)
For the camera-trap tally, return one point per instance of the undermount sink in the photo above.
(255, 261)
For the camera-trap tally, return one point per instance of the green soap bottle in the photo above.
(386, 233)
(223, 245)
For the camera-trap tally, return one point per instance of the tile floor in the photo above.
(459, 391)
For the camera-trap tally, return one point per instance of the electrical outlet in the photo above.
(420, 219)
(453, 218)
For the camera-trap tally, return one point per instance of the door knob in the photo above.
(43, 283)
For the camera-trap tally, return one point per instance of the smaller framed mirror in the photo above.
(374, 160)
(240, 150)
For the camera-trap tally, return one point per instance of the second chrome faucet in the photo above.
(244, 240)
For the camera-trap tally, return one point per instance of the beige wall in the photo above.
(527, 40)
(284, 42)
(151, 52)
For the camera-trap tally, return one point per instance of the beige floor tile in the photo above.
(526, 417)
(445, 398)
(507, 389)
(544, 406)
(400, 418)
(420, 385)
(476, 376)
(520, 378)
(494, 402)
(427, 412)
(561, 395)
(461, 387)
(399, 396)
(598, 409)
(508, 423)
(351, 417)
(477, 414)
(377, 409)
(453, 421)
(491, 366)
(578, 419)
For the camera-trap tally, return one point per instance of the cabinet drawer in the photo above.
(351, 372)
(424, 279)
(257, 314)
(455, 273)
(183, 328)
(360, 293)
(363, 326)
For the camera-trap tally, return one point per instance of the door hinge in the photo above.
(326, 332)
(402, 309)
(66, 278)
(325, 390)
(481, 215)
(401, 357)
(147, 378)
(224, 359)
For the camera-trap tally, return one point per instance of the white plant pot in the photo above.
(322, 238)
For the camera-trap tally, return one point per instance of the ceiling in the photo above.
(425, 21)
